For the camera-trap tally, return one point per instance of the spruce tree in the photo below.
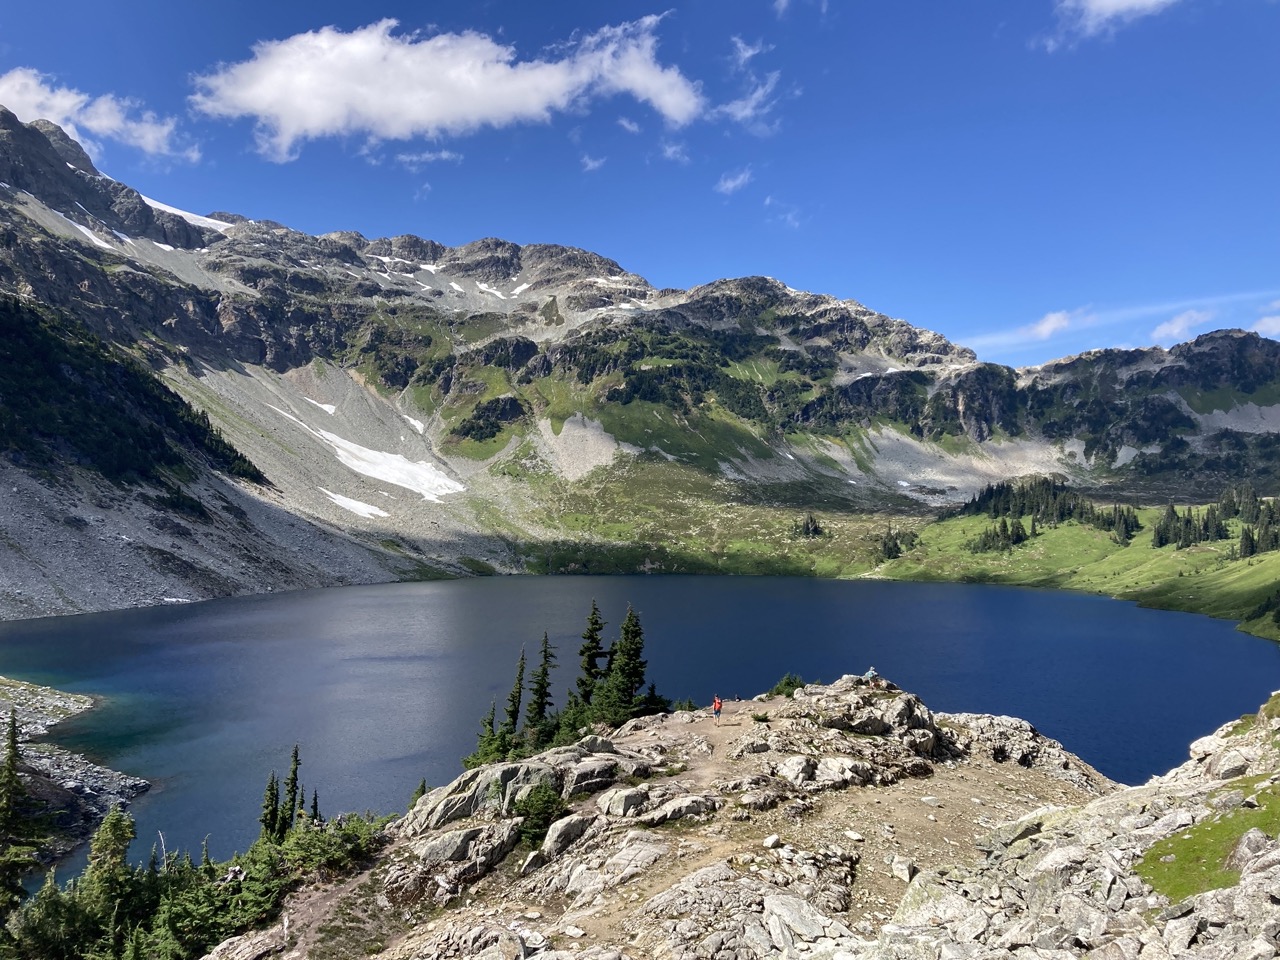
(270, 818)
(486, 741)
(419, 792)
(289, 805)
(12, 792)
(1248, 545)
(509, 725)
(535, 714)
(591, 651)
(616, 698)
(315, 805)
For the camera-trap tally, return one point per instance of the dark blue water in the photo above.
(385, 685)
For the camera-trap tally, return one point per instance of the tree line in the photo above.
(174, 907)
(1047, 502)
(611, 688)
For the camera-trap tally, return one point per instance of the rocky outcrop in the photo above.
(685, 838)
(1056, 881)
(1070, 882)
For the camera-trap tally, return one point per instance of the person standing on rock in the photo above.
(716, 704)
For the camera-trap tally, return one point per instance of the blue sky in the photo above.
(1031, 178)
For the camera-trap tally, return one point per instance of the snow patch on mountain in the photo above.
(93, 237)
(416, 475)
(192, 218)
(357, 507)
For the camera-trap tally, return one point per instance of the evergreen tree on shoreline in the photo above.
(616, 697)
(512, 721)
(535, 715)
(289, 801)
(591, 651)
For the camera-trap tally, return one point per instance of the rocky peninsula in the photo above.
(71, 791)
(848, 821)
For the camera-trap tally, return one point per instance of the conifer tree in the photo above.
(419, 792)
(616, 697)
(535, 715)
(315, 805)
(509, 725)
(1248, 545)
(486, 741)
(591, 651)
(289, 805)
(12, 792)
(270, 818)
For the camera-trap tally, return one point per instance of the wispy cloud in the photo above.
(780, 6)
(629, 125)
(785, 213)
(743, 51)
(675, 152)
(32, 95)
(414, 162)
(1059, 322)
(377, 83)
(591, 164)
(1091, 18)
(1176, 329)
(1268, 326)
(730, 183)
(753, 109)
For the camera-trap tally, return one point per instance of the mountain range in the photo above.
(205, 405)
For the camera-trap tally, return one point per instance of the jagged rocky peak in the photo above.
(489, 260)
(406, 247)
(40, 158)
(29, 161)
(549, 263)
(69, 150)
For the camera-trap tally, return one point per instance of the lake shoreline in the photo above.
(77, 792)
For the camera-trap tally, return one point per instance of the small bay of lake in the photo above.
(384, 685)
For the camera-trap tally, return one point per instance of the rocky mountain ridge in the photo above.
(423, 410)
(848, 822)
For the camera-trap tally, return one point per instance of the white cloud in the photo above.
(416, 161)
(785, 213)
(1048, 325)
(743, 51)
(32, 95)
(1092, 17)
(629, 125)
(1177, 328)
(731, 183)
(591, 164)
(376, 83)
(676, 152)
(1043, 329)
(780, 6)
(1268, 326)
(752, 109)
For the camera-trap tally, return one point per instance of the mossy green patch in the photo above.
(1194, 860)
(479, 567)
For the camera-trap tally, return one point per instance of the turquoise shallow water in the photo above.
(384, 685)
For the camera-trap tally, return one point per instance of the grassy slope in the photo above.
(1194, 860)
(1073, 557)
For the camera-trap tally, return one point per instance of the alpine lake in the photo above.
(382, 686)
